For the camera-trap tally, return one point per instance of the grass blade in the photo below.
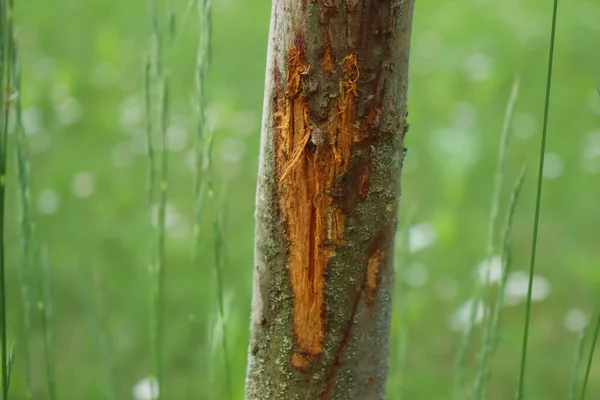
(10, 364)
(491, 237)
(98, 332)
(590, 358)
(218, 254)
(203, 137)
(492, 329)
(578, 359)
(46, 308)
(538, 202)
(26, 228)
(160, 77)
(6, 32)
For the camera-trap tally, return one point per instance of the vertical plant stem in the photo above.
(591, 357)
(578, 359)
(10, 363)
(493, 218)
(218, 251)
(538, 202)
(26, 228)
(160, 265)
(46, 309)
(6, 16)
(491, 238)
(160, 77)
(98, 332)
(203, 137)
(152, 254)
(492, 329)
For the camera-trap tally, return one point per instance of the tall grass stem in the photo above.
(538, 202)
(590, 357)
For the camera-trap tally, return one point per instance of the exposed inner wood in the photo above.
(311, 157)
(371, 283)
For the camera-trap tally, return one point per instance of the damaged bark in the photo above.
(334, 121)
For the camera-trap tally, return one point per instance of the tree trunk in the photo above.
(334, 121)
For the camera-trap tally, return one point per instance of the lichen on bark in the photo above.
(334, 121)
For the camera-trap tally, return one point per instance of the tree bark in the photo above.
(334, 121)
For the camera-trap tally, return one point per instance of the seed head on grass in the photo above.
(491, 239)
(492, 328)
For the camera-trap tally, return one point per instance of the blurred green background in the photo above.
(84, 115)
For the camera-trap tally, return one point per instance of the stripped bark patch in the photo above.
(327, 62)
(308, 178)
(372, 279)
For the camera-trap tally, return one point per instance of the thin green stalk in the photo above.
(491, 237)
(492, 328)
(203, 144)
(218, 253)
(46, 308)
(10, 363)
(203, 137)
(98, 332)
(162, 206)
(152, 254)
(157, 35)
(500, 169)
(26, 226)
(538, 203)
(578, 359)
(591, 357)
(160, 78)
(6, 15)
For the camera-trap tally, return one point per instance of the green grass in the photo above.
(461, 72)
(26, 230)
(538, 202)
(6, 94)
(577, 361)
(492, 329)
(490, 248)
(590, 358)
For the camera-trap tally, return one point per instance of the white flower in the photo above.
(446, 288)
(524, 126)
(132, 113)
(177, 224)
(177, 138)
(232, 149)
(69, 111)
(490, 271)
(421, 236)
(479, 67)
(121, 156)
(146, 389)
(553, 166)
(244, 123)
(416, 275)
(48, 202)
(460, 320)
(575, 320)
(84, 184)
(518, 284)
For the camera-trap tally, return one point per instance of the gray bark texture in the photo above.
(334, 121)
